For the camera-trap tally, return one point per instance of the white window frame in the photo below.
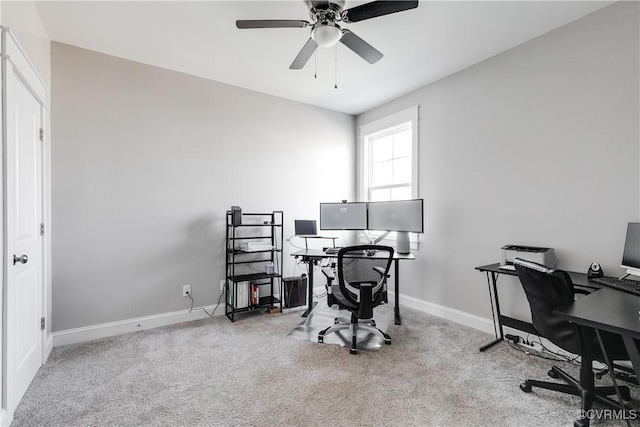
(385, 124)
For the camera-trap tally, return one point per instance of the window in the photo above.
(389, 158)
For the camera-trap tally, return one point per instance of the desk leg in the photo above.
(634, 355)
(398, 320)
(495, 314)
(612, 372)
(311, 303)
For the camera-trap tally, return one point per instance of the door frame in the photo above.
(15, 60)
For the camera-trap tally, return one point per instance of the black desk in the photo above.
(493, 271)
(310, 256)
(613, 311)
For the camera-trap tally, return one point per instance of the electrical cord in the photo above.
(295, 246)
(202, 308)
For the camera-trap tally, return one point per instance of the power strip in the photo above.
(530, 346)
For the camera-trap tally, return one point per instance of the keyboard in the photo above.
(626, 285)
(333, 251)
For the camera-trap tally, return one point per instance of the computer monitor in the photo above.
(397, 215)
(305, 227)
(631, 254)
(343, 216)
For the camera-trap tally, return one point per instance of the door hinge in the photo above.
(42, 229)
(42, 323)
(41, 134)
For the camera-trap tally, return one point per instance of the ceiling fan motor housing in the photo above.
(325, 10)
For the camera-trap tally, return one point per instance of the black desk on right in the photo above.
(493, 271)
(613, 311)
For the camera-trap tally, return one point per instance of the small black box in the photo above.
(295, 291)
(236, 215)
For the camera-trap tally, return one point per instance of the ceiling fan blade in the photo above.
(375, 9)
(304, 55)
(271, 23)
(361, 47)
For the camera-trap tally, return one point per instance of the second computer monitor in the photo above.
(398, 215)
(343, 216)
(631, 254)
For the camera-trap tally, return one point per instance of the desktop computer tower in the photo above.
(295, 291)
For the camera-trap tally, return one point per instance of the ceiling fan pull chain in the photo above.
(315, 64)
(335, 86)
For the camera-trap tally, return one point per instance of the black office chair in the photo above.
(362, 273)
(547, 290)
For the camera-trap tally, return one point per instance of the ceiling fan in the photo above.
(325, 31)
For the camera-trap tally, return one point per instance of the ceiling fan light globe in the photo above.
(326, 35)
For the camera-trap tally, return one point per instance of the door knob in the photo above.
(20, 259)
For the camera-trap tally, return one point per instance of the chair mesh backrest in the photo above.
(548, 290)
(355, 268)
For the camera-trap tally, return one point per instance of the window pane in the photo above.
(402, 170)
(402, 144)
(401, 193)
(382, 148)
(382, 173)
(380, 195)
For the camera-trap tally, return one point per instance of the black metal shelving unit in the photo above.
(246, 268)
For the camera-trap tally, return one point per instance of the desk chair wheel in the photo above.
(373, 323)
(580, 423)
(553, 374)
(525, 387)
(353, 351)
(387, 338)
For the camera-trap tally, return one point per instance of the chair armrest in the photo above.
(328, 273)
(380, 271)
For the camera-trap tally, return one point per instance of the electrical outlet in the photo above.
(186, 290)
(222, 285)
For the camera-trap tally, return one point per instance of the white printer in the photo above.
(544, 256)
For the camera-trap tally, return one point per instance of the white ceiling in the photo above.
(200, 38)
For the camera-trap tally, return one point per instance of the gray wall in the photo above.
(145, 163)
(536, 146)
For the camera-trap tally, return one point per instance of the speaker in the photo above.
(595, 270)
(236, 215)
(403, 246)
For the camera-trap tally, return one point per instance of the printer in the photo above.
(544, 256)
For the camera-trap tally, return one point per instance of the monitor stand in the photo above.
(373, 241)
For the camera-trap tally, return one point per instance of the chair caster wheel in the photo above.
(553, 374)
(320, 340)
(387, 342)
(525, 387)
(353, 351)
(579, 423)
(373, 323)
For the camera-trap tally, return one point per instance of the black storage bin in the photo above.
(295, 291)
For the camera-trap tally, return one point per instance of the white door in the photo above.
(23, 251)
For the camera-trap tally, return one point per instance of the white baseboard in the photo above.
(72, 336)
(88, 333)
(5, 418)
(461, 317)
(476, 322)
